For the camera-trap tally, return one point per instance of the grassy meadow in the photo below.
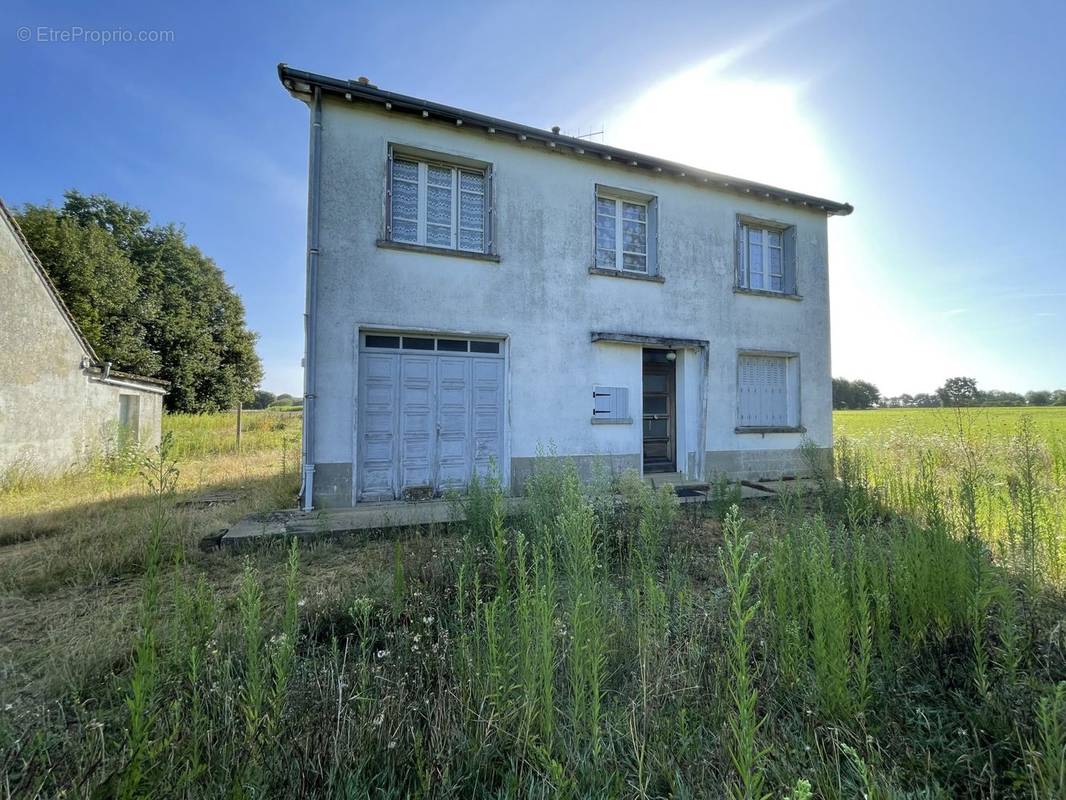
(898, 632)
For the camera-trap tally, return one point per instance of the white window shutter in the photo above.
(653, 237)
(739, 235)
(746, 392)
(789, 255)
(388, 195)
(610, 403)
(490, 211)
(763, 389)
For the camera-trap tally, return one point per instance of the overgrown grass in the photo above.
(879, 638)
(200, 435)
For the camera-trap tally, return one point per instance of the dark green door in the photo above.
(659, 422)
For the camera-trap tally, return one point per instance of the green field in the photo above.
(897, 632)
(993, 423)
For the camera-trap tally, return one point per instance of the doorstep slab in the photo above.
(363, 517)
(325, 523)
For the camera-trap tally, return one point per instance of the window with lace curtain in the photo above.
(625, 231)
(437, 204)
(766, 256)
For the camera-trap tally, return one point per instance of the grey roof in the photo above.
(53, 292)
(300, 82)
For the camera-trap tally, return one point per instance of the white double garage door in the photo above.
(430, 413)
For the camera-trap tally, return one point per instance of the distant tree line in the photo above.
(854, 394)
(956, 392)
(147, 300)
(264, 399)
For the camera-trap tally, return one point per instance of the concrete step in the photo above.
(289, 523)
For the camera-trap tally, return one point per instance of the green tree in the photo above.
(997, 397)
(262, 399)
(854, 394)
(147, 300)
(1039, 397)
(961, 391)
(97, 282)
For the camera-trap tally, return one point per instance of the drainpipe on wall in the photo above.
(701, 428)
(311, 303)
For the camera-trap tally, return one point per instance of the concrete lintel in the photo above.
(650, 341)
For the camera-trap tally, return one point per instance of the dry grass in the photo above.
(583, 651)
(72, 547)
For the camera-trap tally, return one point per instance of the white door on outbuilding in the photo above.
(430, 413)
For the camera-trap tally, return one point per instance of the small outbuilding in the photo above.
(59, 404)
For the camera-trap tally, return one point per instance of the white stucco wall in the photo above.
(53, 413)
(542, 297)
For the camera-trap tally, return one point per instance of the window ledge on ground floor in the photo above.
(440, 251)
(766, 293)
(602, 421)
(771, 429)
(618, 273)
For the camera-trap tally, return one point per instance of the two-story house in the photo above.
(481, 292)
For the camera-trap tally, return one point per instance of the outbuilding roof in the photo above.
(303, 84)
(96, 367)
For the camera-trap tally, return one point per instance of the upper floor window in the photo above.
(437, 204)
(766, 256)
(625, 231)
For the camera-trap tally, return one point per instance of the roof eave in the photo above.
(300, 83)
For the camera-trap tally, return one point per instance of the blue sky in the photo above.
(943, 123)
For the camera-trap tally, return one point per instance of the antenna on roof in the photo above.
(590, 134)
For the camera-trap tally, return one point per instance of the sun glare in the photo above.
(747, 128)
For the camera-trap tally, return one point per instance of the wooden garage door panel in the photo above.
(417, 420)
(380, 375)
(453, 413)
(488, 415)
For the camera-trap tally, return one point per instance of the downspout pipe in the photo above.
(311, 302)
(701, 428)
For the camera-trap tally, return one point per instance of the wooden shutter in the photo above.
(738, 254)
(788, 254)
(775, 386)
(762, 392)
(490, 211)
(388, 195)
(653, 236)
(747, 388)
(610, 403)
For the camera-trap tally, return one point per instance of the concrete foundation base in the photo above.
(329, 523)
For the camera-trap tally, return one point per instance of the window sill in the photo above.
(633, 276)
(438, 251)
(601, 421)
(771, 429)
(766, 293)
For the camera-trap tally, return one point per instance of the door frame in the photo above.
(360, 329)
(673, 428)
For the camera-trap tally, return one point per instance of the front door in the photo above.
(659, 422)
